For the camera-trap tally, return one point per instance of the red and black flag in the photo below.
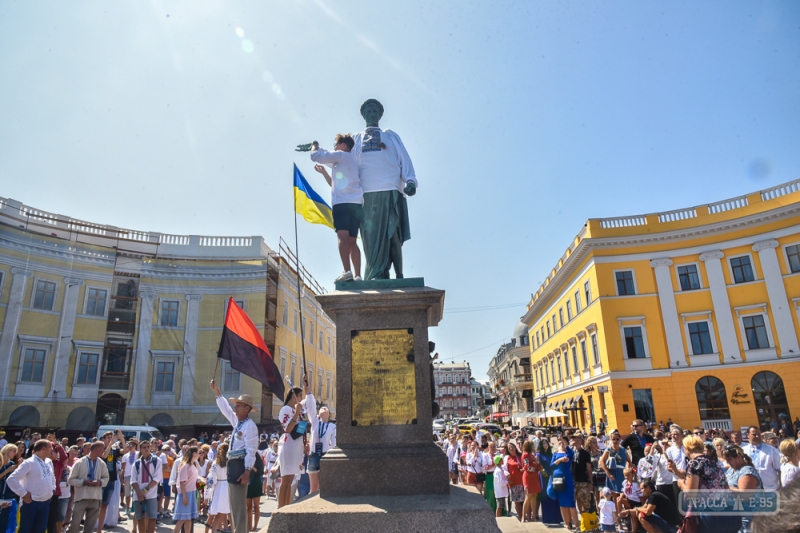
(244, 347)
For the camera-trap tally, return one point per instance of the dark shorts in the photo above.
(166, 488)
(658, 523)
(347, 217)
(148, 508)
(108, 492)
(313, 462)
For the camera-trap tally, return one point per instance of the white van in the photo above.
(140, 432)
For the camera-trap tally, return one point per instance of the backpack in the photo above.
(646, 467)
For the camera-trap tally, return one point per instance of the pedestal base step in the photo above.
(387, 514)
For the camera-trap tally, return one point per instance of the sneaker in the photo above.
(357, 278)
(344, 276)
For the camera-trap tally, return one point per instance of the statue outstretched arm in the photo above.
(307, 147)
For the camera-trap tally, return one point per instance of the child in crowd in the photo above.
(347, 199)
(607, 511)
(500, 486)
(631, 495)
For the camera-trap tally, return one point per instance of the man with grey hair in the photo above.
(676, 456)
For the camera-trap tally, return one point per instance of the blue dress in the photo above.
(551, 514)
(620, 458)
(566, 497)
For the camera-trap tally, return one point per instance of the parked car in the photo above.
(491, 428)
(439, 424)
(465, 429)
(140, 432)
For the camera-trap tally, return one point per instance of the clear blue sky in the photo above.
(523, 119)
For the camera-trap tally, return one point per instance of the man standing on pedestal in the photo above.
(386, 176)
(244, 442)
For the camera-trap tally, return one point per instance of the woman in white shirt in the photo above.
(292, 452)
(475, 467)
(789, 469)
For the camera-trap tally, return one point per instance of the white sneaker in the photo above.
(357, 278)
(344, 276)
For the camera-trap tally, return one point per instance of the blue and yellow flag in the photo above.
(310, 204)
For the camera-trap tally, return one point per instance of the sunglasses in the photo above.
(698, 432)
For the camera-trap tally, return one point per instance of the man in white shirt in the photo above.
(386, 176)
(212, 453)
(145, 477)
(766, 459)
(127, 467)
(34, 481)
(87, 478)
(452, 458)
(244, 442)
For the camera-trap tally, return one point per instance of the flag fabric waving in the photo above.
(244, 347)
(310, 204)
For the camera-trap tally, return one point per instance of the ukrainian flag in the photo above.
(310, 204)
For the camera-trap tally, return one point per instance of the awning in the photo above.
(499, 415)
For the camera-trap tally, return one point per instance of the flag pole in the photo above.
(299, 298)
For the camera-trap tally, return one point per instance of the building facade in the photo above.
(690, 315)
(510, 372)
(476, 397)
(453, 391)
(105, 325)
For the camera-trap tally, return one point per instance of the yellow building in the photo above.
(689, 315)
(105, 325)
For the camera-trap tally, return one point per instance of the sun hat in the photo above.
(245, 399)
(498, 459)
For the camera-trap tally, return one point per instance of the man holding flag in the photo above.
(244, 347)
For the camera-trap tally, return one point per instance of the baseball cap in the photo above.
(606, 491)
(498, 459)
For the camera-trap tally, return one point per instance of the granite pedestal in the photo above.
(386, 473)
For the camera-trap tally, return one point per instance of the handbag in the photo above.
(235, 466)
(559, 483)
(301, 428)
(480, 478)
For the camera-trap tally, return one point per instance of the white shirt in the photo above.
(153, 467)
(35, 476)
(676, 454)
(606, 510)
(452, 451)
(488, 463)
(661, 475)
(767, 461)
(245, 433)
(382, 169)
(345, 185)
(127, 462)
(475, 462)
(318, 427)
(789, 473)
(500, 483)
(601, 442)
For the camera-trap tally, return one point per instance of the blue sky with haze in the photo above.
(523, 119)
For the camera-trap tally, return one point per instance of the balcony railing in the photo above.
(522, 378)
(114, 380)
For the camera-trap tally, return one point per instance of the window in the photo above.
(634, 343)
(45, 295)
(625, 283)
(560, 318)
(328, 388)
(553, 371)
(548, 329)
(569, 310)
(742, 269)
(537, 339)
(283, 363)
(700, 337)
(87, 368)
(33, 365)
(560, 377)
(756, 332)
(319, 383)
(542, 332)
(321, 336)
(793, 254)
(304, 328)
(329, 344)
(311, 377)
(169, 312)
(96, 303)
(587, 293)
(555, 326)
(450, 390)
(231, 378)
(595, 351)
(584, 354)
(311, 333)
(643, 404)
(165, 376)
(294, 368)
(449, 378)
(711, 398)
(294, 327)
(577, 301)
(574, 359)
(285, 313)
(688, 277)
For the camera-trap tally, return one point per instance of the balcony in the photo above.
(114, 381)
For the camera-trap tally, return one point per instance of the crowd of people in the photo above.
(48, 485)
(619, 483)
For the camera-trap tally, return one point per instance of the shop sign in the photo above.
(602, 388)
(588, 389)
(739, 395)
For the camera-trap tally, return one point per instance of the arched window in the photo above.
(711, 398)
(769, 396)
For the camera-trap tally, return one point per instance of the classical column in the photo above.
(778, 301)
(147, 299)
(669, 311)
(13, 313)
(190, 348)
(65, 331)
(722, 306)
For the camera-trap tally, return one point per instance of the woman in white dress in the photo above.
(220, 507)
(270, 458)
(203, 465)
(292, 452)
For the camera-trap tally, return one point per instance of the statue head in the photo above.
(372, 111)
